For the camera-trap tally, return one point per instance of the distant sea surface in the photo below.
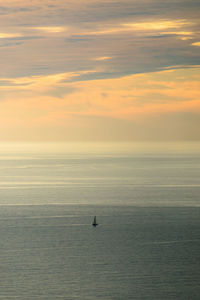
(147, 243)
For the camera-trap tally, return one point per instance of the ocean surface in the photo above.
(147, 243)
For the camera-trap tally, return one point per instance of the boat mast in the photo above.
(94, 222)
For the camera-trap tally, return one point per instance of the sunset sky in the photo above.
(99, 70)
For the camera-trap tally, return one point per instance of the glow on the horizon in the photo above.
(36, 105)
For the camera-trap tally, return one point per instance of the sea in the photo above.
(146, 199)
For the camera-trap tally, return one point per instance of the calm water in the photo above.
(147, 245)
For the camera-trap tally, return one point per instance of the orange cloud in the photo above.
(101, 58)
(51, 29)
(4, 35)
(196, 44)
(159, 26)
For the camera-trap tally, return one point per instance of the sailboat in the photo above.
(95, 222)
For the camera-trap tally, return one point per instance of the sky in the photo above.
(99, 70)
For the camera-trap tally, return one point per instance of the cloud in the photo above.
(50, 29)
(69, 65)
(159, 25)
(43, 83)
(102, 58)
(196, 44)
(125, 98)
(142, 27)
(70, 36)
(11, 44)
(4, 35)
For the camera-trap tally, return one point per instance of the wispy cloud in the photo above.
(127, 99)
(51, 29)
(196, 44)
(4, 35)
(158, 25)
(81, 64)
(102, 58)
(42, 82)
(141, 27)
